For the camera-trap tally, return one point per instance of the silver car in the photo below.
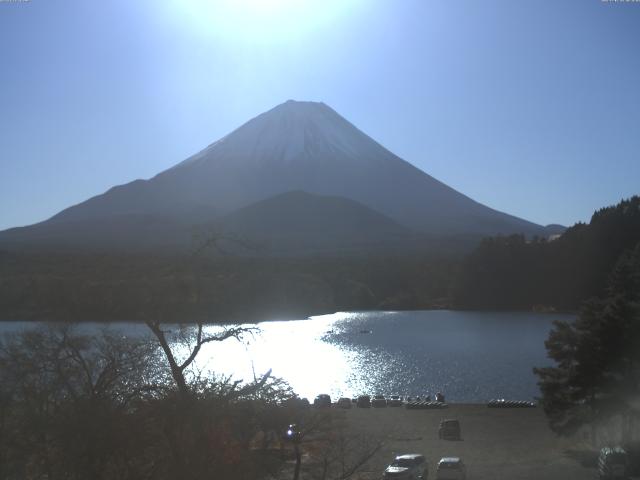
(451, 468)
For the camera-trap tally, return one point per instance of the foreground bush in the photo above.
(76, 406)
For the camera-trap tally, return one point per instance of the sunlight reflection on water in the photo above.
(470, 356)
(294, 350)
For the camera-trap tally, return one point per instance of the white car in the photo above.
(409, 466)
(451, 468)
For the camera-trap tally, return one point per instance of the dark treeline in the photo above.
(217, 288)
(502, 273)
(520, 274)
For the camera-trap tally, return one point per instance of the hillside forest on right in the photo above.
(516, 273)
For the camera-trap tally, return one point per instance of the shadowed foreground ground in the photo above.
(497, 443)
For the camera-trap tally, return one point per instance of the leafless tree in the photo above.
(345, 455)
(205, 241)
(200, 338)
(64, 399)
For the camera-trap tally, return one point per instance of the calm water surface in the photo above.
(470, 356)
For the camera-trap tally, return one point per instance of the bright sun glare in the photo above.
(260, 20)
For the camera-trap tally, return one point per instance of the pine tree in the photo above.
(597, 372)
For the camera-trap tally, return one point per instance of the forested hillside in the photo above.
(515, 273)
(85, 287)
(502, 273)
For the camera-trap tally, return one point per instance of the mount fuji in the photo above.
(303, 147)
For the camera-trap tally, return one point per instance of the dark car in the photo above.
(297, 402)
(322, 401)
(449, 430)
(612, 463)
(364, 401)
(379, 402)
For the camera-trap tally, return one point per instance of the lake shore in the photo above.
(496, 443)
(283, 318)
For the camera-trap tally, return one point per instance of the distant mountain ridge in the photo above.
(300, 222)
(294, 147)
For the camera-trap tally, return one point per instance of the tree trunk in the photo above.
(296, 472)
(176, 372)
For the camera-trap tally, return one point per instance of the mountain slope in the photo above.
(122, 232)
(304, 146)
(291, 223)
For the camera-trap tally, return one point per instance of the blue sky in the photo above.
(530, 107)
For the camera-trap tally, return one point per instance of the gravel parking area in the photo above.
(496, 443)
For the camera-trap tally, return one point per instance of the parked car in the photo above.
(344, 402)
(449, 430)
(440, 397)
(379, 401)
(322, 401)
(613, 463)
(364, 401)
(451, 468)
(297, 402)
(394, 401)
(411, 466)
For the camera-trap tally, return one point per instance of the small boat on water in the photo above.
(502, 403)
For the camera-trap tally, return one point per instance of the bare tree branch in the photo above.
(214, 240)
(361, 460)
(178, 369)
(234, 332)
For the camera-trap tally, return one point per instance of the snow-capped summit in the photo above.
(291, 131)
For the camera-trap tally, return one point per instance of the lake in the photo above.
(469, 356)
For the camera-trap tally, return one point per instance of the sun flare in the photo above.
(259, 21)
